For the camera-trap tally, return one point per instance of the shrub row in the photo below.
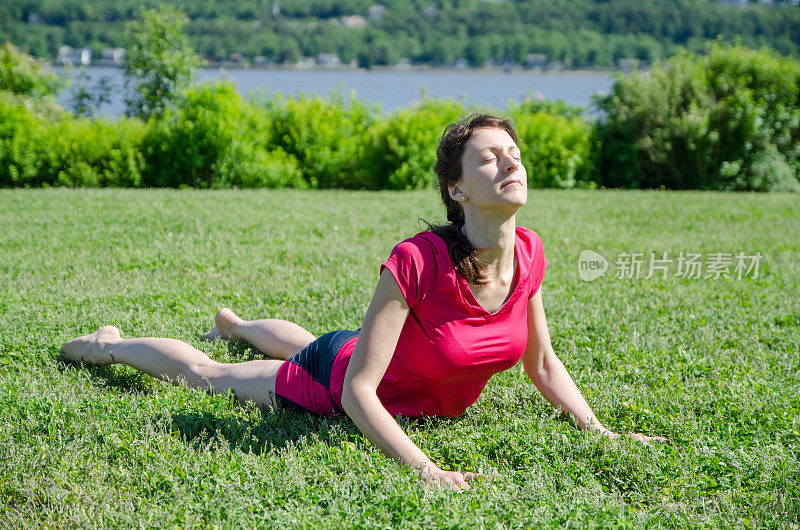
(728, 120)
(215, 138)
(41, 145)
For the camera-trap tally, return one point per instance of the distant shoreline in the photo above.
(414, 68)
(391, 88)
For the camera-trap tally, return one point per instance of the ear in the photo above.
(455, 191)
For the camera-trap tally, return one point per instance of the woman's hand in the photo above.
(455, 480)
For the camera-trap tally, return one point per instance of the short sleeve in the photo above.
(538, 266)
(407, 264)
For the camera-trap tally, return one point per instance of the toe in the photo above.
(71, 350)
(212, 335)
(92, 347)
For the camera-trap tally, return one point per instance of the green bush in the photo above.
(557, 148)
(400, 150)
(20, 126)
(214, 138)
(96, 152)
(729, 120)
(43, 145)
(325, 137)
(255, 167)
(21, 74)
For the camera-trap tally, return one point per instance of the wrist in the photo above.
(425, 468)
(599, 428)
(610, 434)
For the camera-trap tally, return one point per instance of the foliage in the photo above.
(558, 145)
(326, 137)
(158, 62)
(85, 98)
(400, 150)
(45, 146)
(214, 138)
(533, 103)
(21, 74)
(576, 32)
(728, 120)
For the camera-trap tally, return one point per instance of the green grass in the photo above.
(712, 364)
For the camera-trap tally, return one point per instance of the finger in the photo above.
(469, 475)
(459, 481)
(441, 484)
(453, 485)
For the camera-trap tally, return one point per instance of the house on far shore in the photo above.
(262, 61)
(555, 66)
(305, 63)
(69, 56)
(328, 60)
(111, 57)
(376, 11)
(535, 60)
(353, 21)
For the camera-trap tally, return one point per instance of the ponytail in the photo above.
(465, 256)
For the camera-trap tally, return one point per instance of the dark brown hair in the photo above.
(465, 257)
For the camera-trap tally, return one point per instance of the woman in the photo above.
(453, 306)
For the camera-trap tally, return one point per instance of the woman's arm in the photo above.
(374, 349)
(550, 376)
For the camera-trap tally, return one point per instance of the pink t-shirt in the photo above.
(449, 346)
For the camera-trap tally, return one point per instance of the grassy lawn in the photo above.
(711, 363)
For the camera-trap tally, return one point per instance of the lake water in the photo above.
(393, 89)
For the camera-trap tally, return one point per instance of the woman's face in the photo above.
(492, 175)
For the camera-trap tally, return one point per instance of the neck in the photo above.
(492, 231)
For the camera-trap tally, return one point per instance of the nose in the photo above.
(511, 164)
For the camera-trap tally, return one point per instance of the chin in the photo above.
(519, 197)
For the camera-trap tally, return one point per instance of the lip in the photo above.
(510, 182)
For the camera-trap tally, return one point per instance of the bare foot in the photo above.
(225, 321)
(91, 348)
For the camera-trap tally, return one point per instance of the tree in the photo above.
(86, 98)
(21, 74)
(158, 63)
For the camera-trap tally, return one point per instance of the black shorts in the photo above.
(304, 380)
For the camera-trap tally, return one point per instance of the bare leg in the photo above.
(273, 337)
(173, 360)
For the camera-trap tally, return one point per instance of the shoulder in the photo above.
(530, 240)
(424, 248)
(531, 253)
(415, 264)
(424, 242)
